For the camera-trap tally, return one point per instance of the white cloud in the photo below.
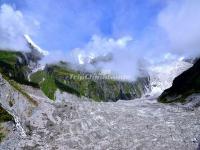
(13, 25)
(102, 46)
(181, 21)
(116, 56)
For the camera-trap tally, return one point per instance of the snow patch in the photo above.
(162, 75)
(35, 46)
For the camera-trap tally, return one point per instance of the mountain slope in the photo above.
(95, 86)
(162, 75)
(4, 118)
(183, 86)
(15, 66)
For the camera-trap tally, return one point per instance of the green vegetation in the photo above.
(66, 88)
(38, 77)
(15, 66)
(62, 77)
(48, 86)
(4, 117)
(46, 82)
(2, 136)
(19, 89)
(183, 86)
(9, 57)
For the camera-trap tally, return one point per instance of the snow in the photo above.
(35, 46)
(162, 75)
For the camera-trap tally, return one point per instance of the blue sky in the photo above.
(131, 31)
(66, 24)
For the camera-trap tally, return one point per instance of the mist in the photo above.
(181, 22)
(116, 37)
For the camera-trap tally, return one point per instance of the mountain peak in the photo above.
(34, 47)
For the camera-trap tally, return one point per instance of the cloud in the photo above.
(66, 24)
(98, 47)
(94, 33)
(13, 25)
(180, 20)
(116, 56)
(54, 57)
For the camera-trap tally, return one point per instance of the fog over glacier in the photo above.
(75, 33)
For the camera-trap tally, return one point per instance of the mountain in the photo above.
(96, 86)
(162, 75)
(22, 67)
(18, 67)
(15, 67)
(184, 86)
(35, 49)
(30, 120)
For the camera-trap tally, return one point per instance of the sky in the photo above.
(127, 30)
(66, 24)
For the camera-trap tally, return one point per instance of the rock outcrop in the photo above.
(162, 75)
(185, 85)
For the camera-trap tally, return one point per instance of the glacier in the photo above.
(162, 75)
(79, 123)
